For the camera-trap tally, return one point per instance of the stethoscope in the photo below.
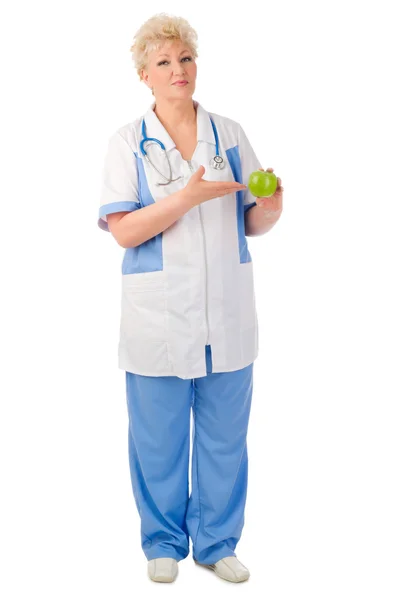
(216, 162)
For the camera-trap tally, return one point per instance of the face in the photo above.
(172, 62)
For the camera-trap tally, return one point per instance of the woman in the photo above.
(178, 203)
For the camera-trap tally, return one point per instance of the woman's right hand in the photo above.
(199, 190)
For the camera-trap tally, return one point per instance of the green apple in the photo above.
(262, 183)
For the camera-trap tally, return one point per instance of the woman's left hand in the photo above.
(275, 202)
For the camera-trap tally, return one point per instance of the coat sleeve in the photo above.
(120, 186)
(249, 163)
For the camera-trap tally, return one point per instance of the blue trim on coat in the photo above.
(233, 156)
(248, 206)
(148, 256)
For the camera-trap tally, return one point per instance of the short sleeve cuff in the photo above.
(114, 207)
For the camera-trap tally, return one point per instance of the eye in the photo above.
(164, 61)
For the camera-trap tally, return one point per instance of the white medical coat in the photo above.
(193, 284)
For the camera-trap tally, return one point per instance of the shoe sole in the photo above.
(162, 579)
(213, 568)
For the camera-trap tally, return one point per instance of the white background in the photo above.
(317, 86)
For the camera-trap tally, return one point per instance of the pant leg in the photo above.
(215, 515)
(158, 442)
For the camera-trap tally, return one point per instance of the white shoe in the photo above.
(162, 569)
(229, 568)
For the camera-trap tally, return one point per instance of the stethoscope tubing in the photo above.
(216, 162)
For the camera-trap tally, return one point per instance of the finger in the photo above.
(227, 190)
(228, 184)
(224, 191)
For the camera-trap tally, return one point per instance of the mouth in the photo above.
(181, 83)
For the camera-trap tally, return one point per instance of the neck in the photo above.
(175, 114)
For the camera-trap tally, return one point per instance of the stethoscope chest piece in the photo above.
(217, 162)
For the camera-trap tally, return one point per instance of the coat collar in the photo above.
(155, 129)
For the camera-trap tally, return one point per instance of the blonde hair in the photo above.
(155, 32)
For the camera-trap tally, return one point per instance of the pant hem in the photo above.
(215, 557)
(159, 553)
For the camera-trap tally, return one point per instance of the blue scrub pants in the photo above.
(159, 410)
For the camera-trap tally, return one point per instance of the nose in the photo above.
(179, 68)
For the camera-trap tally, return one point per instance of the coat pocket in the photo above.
(144, 307)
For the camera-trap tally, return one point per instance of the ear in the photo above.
(145, 77)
